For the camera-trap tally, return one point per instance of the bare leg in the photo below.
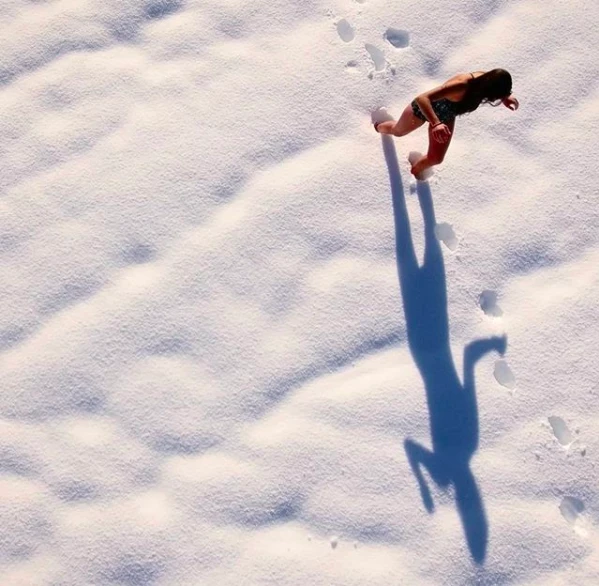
(435, 155)
(407, 122)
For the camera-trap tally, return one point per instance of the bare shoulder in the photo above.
(461, 78)
(455, 87)
(464, 77)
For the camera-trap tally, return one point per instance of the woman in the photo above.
(440, 106)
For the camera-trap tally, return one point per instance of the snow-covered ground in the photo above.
(220, 364)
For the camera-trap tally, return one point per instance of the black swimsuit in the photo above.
(445, 109)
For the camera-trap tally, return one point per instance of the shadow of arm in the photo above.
(474, 351)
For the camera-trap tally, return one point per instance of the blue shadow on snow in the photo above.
(451, 402)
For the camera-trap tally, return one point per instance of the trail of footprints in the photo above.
(488, 302)
(397, 38)
(570, 507)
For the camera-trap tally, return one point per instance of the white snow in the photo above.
(212, 347)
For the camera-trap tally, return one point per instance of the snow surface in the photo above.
(220, 364)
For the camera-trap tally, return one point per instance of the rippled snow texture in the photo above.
(205, 369)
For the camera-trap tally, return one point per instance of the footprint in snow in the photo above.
(400, 39)
(561, 430)
(571, 508)
(345, 31)
(503, 375)
(445, 233)
(488, 303)
(377, 56)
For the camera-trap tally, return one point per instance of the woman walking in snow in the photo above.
(439, 107)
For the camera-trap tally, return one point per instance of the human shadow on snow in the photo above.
(451, 402)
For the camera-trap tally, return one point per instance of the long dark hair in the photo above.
(491, 87)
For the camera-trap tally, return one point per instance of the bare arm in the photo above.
(451, 89)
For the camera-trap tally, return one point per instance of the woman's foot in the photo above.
(418, 176)
(381, 116)
(424, 175)
(420, 171)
